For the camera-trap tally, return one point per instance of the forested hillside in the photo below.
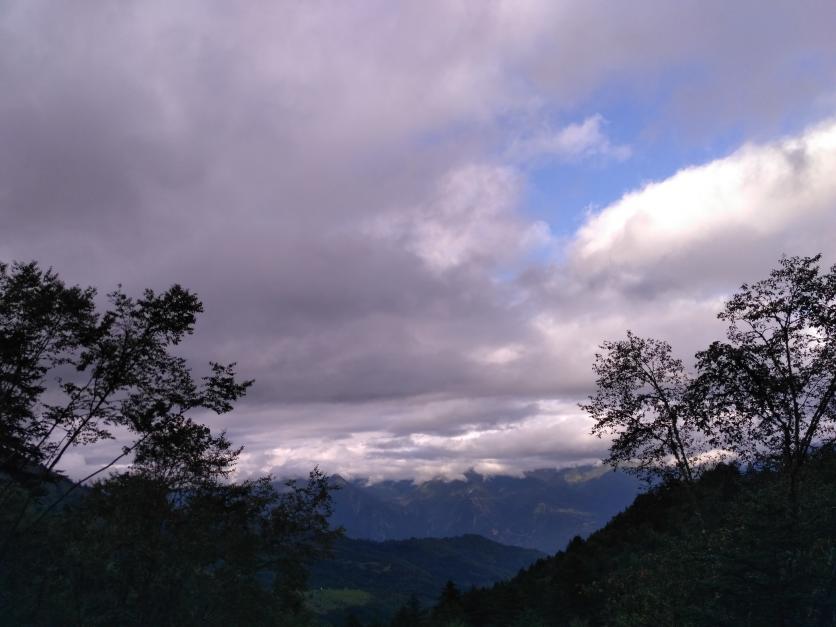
(370, 580)
(741, 526)
(725, 552)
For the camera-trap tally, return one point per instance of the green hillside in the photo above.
(727, 552)
(372, 579)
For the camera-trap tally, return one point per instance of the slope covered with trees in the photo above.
(739, 526)
(384, 575)
(722, 552)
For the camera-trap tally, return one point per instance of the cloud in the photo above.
(708, 220)
(573, 142)
(471, 219)
(548, 434)
(336, 182)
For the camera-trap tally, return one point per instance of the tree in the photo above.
(134, 552)
(448, 609)
(770, 389)
(42, 323)
(642, 398)
(168, 539)
(71, 377)
(410, 614)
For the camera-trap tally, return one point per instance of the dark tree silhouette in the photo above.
(43, 326)
(770, 389)
(166, 538)
(725, 546)
(448, 610)
(642, 399)
(71, 376)
(411, 614)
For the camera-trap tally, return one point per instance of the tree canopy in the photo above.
(770, 389)
(642, 400)
(718, 538)
(162, 536)
(766, 395)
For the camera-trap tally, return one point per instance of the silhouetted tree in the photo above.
(43, 325)
(167, 540)
(449, 608)
(642, 399)
(717, 548)
(134, 552)
(771, 388)
(411, 614)
(114, 374)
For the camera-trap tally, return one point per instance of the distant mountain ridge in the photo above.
(542, 510)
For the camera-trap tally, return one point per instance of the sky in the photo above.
(413, 223)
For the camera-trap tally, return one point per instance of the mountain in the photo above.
(543, 509)
(372, 579)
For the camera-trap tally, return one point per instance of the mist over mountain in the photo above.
(542, 509)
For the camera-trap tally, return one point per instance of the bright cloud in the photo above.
(778, 197)
(759, 189)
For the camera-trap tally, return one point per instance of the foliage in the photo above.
(114, 377)
(166, 538)
(325, 601)
(389, 572)
(709, 545)
(410, 615)
(448, 610)
(642, 399)
(770, 390)
(658, 563)
(43, 324)
(767, 395)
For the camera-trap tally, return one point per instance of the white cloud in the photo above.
(472, 217)
(779, 197)
(556, 434)
(570, 143)
(661, 260)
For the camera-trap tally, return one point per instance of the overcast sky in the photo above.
(413, 222)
